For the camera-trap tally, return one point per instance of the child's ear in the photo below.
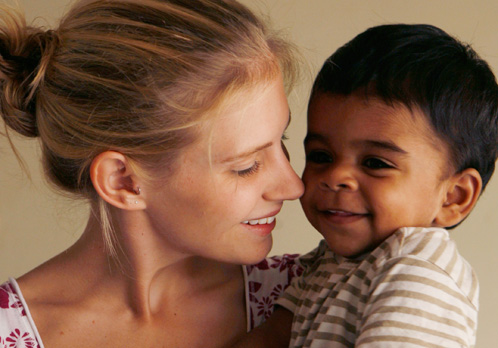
(462, 194)
(114, 180)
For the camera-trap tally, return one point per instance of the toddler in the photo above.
(402, 139)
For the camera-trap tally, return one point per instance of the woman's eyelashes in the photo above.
(254, 168)
(249, 171)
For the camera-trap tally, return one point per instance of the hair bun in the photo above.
(24, 55)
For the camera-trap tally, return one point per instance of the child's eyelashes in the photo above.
(318, 157)
(249, 171)
(371, 163)
(376, 163)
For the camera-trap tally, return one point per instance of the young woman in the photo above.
(167, 116)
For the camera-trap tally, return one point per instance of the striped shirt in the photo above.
(413, 290)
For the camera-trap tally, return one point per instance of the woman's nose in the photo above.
(286, 184)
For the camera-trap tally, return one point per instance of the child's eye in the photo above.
(376, 163)
(318, 157)
(249, 171)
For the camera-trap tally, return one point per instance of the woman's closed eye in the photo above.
(249, 171)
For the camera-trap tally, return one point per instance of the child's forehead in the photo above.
(357, 114)
(339, 107)
(370, 107)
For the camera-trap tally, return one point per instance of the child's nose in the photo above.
(339, 177)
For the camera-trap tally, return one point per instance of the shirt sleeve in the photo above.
(414, 303)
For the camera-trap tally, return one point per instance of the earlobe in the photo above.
(462, 194)
(113, 180)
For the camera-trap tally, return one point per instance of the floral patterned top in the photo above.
(264, 283)
(17, 329)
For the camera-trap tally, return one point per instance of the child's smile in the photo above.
(370, 169)
(342, 217)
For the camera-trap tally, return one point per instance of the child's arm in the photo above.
(273, 333)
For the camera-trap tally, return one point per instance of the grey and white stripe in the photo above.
(414, 290)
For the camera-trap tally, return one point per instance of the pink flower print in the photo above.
(254, 287)
(18, 305)
(284, 262)
(261, 266)
(265, 307)
(16, 340)
(4, 298)
(277, 291)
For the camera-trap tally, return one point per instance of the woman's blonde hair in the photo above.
(133, 76)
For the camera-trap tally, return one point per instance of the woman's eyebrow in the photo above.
(253, 151)
(246, 153)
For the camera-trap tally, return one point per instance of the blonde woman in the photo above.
(167, 116)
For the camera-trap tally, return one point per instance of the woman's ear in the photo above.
(462, 194)
(114, 180)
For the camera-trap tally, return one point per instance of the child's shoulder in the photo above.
(424, 253)
(428, 243)
(423, 242)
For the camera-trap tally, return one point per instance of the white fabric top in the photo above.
(414, 290)
(17, 328)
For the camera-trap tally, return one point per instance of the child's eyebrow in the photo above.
(385, 145)
(314, 137)
(380, 144)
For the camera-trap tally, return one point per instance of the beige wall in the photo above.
(36, 223)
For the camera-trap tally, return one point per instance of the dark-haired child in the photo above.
(402, 139)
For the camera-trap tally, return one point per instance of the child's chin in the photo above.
(346, 250)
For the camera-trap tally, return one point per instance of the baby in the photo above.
(402, 139)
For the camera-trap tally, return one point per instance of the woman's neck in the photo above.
(144, 277)
(144, 301)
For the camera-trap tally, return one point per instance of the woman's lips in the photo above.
(263, 221)
(262, 226)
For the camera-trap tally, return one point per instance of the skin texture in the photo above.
(178, 280)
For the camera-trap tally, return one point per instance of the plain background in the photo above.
(36, 223)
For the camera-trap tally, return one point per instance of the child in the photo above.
(402, 139)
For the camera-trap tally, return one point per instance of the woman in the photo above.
(167, 116)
